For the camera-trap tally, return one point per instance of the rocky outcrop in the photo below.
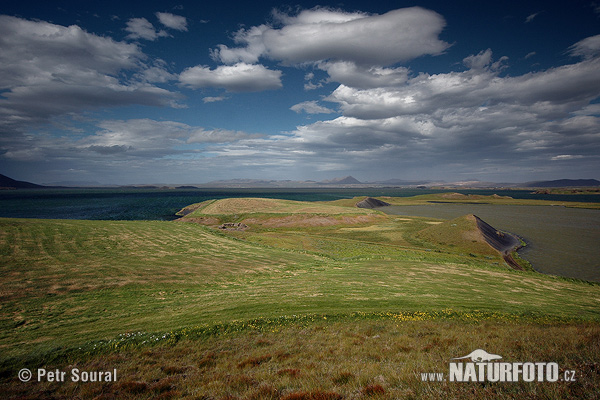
(233, 226)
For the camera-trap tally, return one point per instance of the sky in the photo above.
(185, 92)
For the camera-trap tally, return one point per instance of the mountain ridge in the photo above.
(10, 183)
(346, 181)
(563, 183)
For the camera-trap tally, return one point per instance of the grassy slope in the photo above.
(65, 283)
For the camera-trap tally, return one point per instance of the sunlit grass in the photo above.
(67, 282)
(297, 306)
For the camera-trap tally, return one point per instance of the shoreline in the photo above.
(504, 242)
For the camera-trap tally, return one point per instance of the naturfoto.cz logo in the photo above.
(484, 367)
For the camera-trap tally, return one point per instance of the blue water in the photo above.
(162, 204)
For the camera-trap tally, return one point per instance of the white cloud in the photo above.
(311, 107)
(551, 93)
(254, 47)
(563, 157)
(444, 119)
(531, 17)
(240, 77)
(151, 138)
(350, 74)
(172, 21)
(213, 99)
(33, 50)
(137, 136)
(48, 70)
(118, 143)
(157, 73)
(141, 28)
(586, 48)
(219, 136)
(483, 61)
(322, 34)
(309, 84)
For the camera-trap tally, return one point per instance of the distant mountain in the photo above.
(402, 182)
(564, 183)
(240, 183)
(74, 183)
(6, 182)
(347, 180)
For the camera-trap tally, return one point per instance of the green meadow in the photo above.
(304, 301)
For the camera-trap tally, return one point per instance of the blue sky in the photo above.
(190, 92)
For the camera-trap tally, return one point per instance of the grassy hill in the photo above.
(291, 307)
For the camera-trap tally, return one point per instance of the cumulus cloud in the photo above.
(48, 70)
(240, 77)
(323, 34)
(460, 119)
(554, 92)
(172, 21)
(141, 28)
(311, 107)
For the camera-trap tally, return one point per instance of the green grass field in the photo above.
(311, 301)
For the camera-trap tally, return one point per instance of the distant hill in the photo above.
(241, 183)
(403, 182)
(347, 180)
(564, 183)
(6, 182)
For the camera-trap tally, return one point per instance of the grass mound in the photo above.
(271, 206)
(461, 233)
(275, 213)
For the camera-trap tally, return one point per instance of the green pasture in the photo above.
(75, 291)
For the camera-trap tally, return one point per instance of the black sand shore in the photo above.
(504, 242)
